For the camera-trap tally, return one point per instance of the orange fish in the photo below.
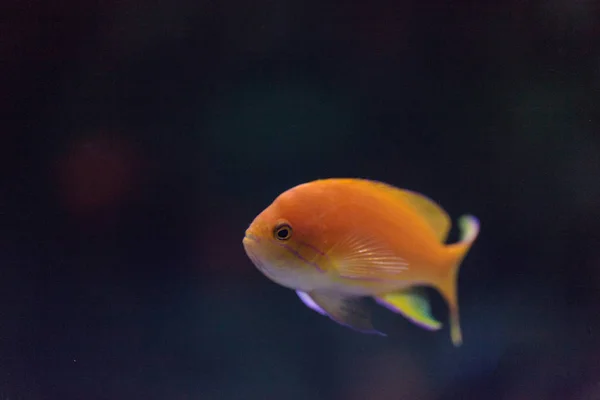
(336, 241)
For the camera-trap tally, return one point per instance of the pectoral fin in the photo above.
(366, 258)
(345, 310)
(413, 304)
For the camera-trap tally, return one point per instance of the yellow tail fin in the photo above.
(469, 229)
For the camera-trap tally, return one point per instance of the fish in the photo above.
(338, 241)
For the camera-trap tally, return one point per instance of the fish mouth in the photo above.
(248, 241)
(249, 237)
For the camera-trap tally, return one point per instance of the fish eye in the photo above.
(282, 231)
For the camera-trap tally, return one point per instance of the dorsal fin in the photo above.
(435, 215)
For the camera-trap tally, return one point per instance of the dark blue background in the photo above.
(141, 138)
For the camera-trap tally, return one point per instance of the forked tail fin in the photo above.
(469, 229)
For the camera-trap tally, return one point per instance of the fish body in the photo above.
(335, 241)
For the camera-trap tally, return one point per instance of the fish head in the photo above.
(285, 242)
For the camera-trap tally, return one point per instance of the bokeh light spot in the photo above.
(97, 173)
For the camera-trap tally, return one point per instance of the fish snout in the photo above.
(250, 242)
(250, 237)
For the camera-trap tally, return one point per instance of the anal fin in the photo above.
(346, 310)
(413, 304)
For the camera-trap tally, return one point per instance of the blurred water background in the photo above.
(139, 140)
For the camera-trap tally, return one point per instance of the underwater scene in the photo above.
(300, 200)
